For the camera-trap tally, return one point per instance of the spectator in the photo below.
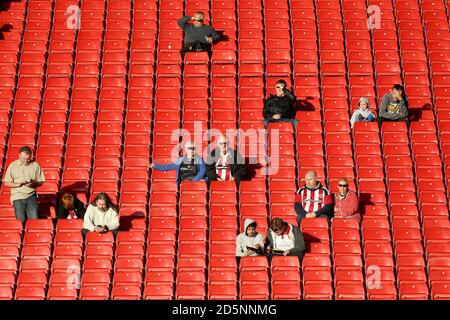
(394, 105)
(224, 163)
(313, 200)
(198, 36)
(23, 176)
(101, 216)
(346, 203)
(284, 239)
(280, 107)
(189, 167)
(70, 207)
(249, 242)
(363, 113)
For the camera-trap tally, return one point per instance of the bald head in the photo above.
(311, 179)
(223, 143)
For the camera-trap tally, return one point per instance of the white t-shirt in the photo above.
(94, 217)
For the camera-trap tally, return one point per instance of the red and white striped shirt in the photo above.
(223, 167)
(313, 200)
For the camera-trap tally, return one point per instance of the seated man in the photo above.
(346, 203)
(225, 164)
(70, 207)
(313, 200)
(284, 239)
(189, 167)
(249, 242)
(198, 36)
(101, 216)
(394, 105)
(280, 107)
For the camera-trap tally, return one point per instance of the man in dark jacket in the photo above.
(225, 164)
(394, 105)
(280, 107)
(284, 239)
(198, 36)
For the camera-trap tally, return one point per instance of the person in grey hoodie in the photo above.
(363, 113)
(250, 238)
(394, 106)
(198, 36)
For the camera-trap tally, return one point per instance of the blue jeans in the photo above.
(26, 208)
(293, 121)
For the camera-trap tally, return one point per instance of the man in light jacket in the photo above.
(101, 216)
(249, 242)
(190, 167)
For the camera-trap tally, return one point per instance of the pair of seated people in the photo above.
(222, 164)
(393, 108)
(282, 239)
(313, 200)
(100, 216)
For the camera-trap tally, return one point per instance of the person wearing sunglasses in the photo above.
(281, 106)
(225, 163)
(198, 36)
(346, 203)
(284, 239)
(189, 167)
(313, 200)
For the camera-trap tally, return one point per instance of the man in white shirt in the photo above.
(101, 216)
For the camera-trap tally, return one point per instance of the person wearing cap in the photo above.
(346, 203)
(249, 242)
(363, 113)
(189, 167)
(198, 36)
(284, 239)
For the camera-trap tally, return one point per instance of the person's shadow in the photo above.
(5, 28)
(417, 114)
(304, 105)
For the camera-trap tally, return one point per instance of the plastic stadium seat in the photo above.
(254, 291)
(225, 291)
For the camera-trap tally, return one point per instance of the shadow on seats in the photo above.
(417, 114)
(304, 105)
(223, 37)
(126, 222)
(309, 240)
(251, 167)
(5, 28)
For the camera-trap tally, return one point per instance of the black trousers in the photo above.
(196, 46)
(85, 232)
(402, 119)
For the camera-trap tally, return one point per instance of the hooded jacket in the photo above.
(362, 115)
(242, 241)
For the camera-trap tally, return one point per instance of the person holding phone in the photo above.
(101, 216)
(284, 239)
(23, 176)
(249, 242)
(198, 36)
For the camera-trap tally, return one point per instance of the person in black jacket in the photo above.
(280, 107)
(225, 164)
(198, 36)
(70, 207)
